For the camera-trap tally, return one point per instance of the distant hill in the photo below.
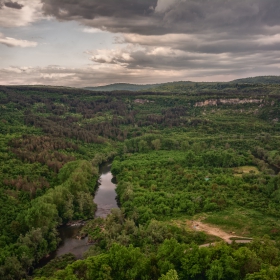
(151, 87)
(121, 86)
(179, 87)
(259, 80)
(186, 86)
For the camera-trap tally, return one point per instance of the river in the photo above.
(105, 198)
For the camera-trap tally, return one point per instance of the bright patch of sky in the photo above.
(58, 43)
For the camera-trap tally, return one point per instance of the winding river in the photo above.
(105, 198)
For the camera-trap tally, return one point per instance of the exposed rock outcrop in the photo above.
(231, 101)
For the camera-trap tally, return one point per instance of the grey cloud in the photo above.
(146, 59)
(13, 14)
(216, 16)
(90, 9)
(215, 44)
(181, 16)
(189, 28)
(13, 5)
(166, 40)
(115, 16)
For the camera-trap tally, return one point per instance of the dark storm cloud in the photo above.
(112, 15)
(10, 4)
(90, 9)
(13, 5)
(181, 16)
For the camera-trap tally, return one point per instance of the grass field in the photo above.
(238, 171)
(245, 222)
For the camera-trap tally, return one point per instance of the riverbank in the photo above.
(71, 239)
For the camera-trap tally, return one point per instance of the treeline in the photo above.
(271, 157)
(203, 149)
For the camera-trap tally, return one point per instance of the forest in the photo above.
(181, 152)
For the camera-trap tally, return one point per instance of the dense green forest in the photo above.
(182, 152)
(260, 80)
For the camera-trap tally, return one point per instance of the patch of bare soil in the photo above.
(227, 237)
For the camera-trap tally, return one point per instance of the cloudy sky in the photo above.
(95, 42)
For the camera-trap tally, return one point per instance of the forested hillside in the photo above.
(193, 87)
(260, 80)
(182, 153)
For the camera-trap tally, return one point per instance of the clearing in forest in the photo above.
(238, 171)
(227, 237)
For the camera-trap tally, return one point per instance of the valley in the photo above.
(191, 164)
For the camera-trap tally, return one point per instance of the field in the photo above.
(239, 171)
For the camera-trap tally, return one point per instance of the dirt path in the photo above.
(198, 225)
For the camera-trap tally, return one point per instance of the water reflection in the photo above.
(105, 196)
(70, 242)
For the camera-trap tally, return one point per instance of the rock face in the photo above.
(232, 101)
(210, 102)
(142, 101)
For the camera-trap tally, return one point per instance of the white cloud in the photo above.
(269, 40)
(120, 56)
(160, 40)
(31, 12)
(12, 42)
(92, 30)
(54, 76)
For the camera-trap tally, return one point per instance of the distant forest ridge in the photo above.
(122, 86)
(136, 87)
(259, 80)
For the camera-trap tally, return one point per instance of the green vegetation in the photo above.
(55, 265)
(175, 260)
(260, 80)
(182, 151)
(246, 222)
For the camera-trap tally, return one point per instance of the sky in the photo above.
(81, 43)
